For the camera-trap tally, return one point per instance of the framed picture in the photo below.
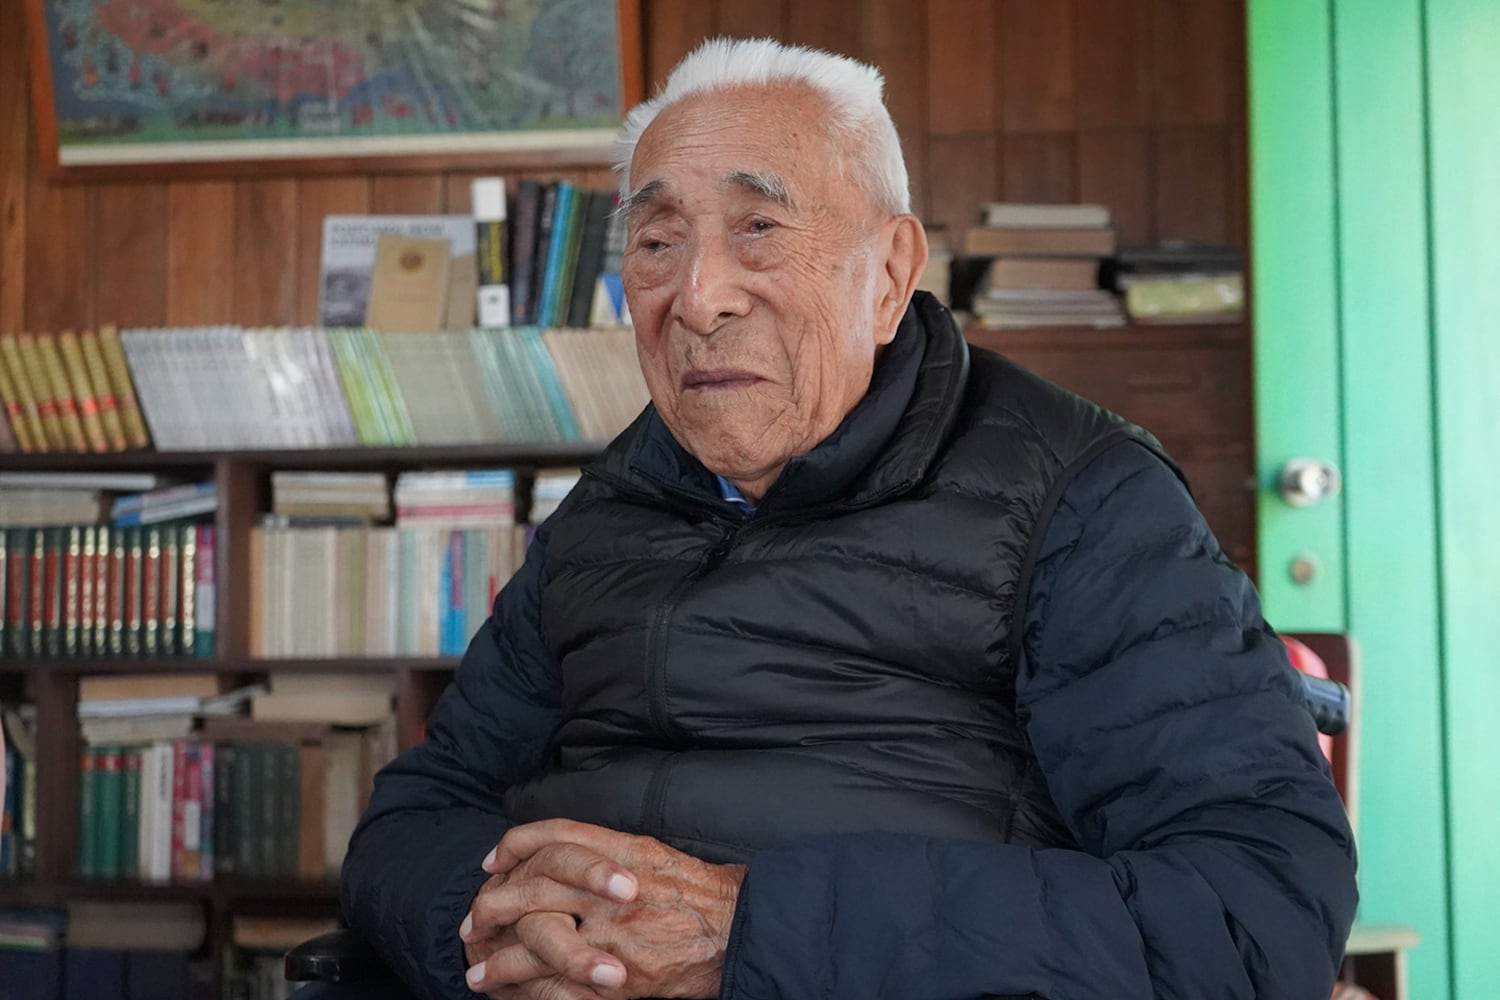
(172, 88)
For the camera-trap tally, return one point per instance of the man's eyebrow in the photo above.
(763, 182)
(638, 199)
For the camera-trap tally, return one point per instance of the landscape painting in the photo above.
(184, 81)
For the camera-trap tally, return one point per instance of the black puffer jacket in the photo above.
(974, 692)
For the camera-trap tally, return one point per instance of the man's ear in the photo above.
(905, 245)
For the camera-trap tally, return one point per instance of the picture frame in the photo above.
(169, 89)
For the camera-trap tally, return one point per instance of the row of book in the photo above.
(105, 950)
(97, 590)
(67, 392)
(196, 809)
(230, 387)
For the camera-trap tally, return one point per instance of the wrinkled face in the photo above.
(758, 278)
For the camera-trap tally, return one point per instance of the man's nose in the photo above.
(711, 292)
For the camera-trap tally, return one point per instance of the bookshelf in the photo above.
(52, 683)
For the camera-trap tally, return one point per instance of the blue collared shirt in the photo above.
(734, 496)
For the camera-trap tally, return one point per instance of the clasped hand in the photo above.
(579, 912)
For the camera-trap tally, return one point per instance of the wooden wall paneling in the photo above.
(1191, 194)
(201, 252)
(1039, 167)
(893, 38)
(825, 24)
(130, 238)
(751, 19)
(1114, 169)
(673, 28)
(15, 147)
(1111, 56)
(962, 172)
(1239, 128)
(60, 254)
(267, 233)
(1191, 60)
(410, 194)
(1036, 66)
(962, 71)
(316, 198)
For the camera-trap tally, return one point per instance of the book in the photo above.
(1065, 273)
(989, 242)
(493, 296)
(35, 374)
(89, 405)
(408, 285)
(1029, 215)
(349, 250)
(117, 372)
(20, 414)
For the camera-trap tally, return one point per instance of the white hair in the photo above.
(867, 138)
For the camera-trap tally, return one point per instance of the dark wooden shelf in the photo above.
(25, 892)
(1138, 335)
(415, 457)
(225, 665)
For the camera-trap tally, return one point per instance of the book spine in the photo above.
(5, 536)
(287, 785)
(52, 596)
(151, 591)
(41, 388)
(249, 787)
(204, 572)
(108, 815)
(177, 867)
(488, 199)
(88, 820)
(187, 619)
(36, 602)
(104, 395)
(226, 773)
(134, 556)
(208, 777)
(130, 815)
(105, 592)
(72, 572)
(87, 579)
(17, 591)
(83, 391)
(17, 414)
(170, 590)
(133, 424)
(191, 856)
(62, 392)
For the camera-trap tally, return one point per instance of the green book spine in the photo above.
(248, 786)
(288, 809)
(87, 817)
(109, 779)
(226, 772)
(130, 815)
(266, 854)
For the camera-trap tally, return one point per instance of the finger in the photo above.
(583, 868)
(521, 842)
(553, 939)
(503, 905)
(550, 947)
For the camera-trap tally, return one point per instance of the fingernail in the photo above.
(475, 974)
(465, 927)
(489, 859)
(621, 887)
(611, 976)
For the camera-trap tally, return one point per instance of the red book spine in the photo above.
(179, 810)
(150, 591)
(192, 816)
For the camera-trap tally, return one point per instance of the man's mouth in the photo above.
(719, 378)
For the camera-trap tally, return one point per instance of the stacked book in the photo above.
(1044, 267)
(1182, 283)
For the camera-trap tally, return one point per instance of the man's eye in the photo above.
(761, 226)
(653, 246)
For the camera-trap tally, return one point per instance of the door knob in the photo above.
(1306, 481)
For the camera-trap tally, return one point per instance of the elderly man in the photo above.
(863, 664)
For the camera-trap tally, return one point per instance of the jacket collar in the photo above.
(883, 447)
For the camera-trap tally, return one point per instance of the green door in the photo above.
(1375, 199)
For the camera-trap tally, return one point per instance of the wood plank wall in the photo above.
(1139, 104)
